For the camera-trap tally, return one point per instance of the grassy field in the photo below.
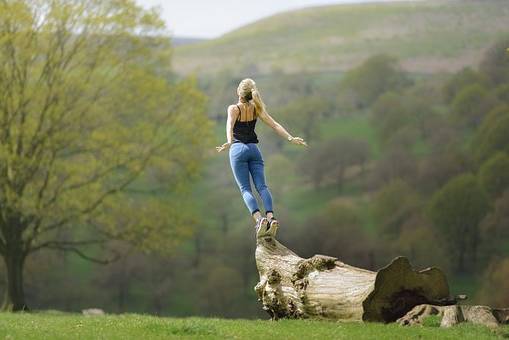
(56, 325)
(428, 36)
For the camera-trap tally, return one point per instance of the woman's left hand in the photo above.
(298, 141)
(223, 147)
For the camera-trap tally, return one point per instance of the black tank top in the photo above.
(244, 131)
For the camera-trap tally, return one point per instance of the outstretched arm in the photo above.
(232, 116)
(280, 130)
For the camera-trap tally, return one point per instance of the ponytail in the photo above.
(247, 90)
(257, 100)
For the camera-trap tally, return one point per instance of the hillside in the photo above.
(180, 41)
(428, 36)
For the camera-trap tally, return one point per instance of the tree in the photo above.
(335, 229)
(377, 75)
(397, 162)
(502, 93)
(345, 152)
(495, 284)
(494, 174)
(458, 81)
(495, 229)
(471, 104)
(220, 89)
(456, 211)
(393, 205)
(315, 165)
(389, 115)
(303, 115)
(421, 102)
(280, 174)
(331, 159)
(495, 64)
(493, 134)
(417, 236)
(406, 115)
(115, 280)
(443, 163)
(96, 137)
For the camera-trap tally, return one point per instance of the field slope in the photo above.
(428, 36)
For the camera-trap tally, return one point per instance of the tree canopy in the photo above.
(91, 121)
(456, 211)
(378, 74)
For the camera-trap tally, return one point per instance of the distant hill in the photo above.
(427, 36)
(180, 41)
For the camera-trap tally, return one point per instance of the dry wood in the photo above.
(452, 315)
(324, 287)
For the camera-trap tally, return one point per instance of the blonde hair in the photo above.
(247, 89)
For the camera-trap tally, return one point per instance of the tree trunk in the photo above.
(14, 298)
(452, 315)
(324, 287)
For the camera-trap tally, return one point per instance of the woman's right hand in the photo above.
(223, 147)
(298, 141)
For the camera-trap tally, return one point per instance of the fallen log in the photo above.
(452, 315)
(324, 287)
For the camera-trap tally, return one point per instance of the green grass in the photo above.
(428, 35)
(432, 321)
(355, 126)
(135, 326)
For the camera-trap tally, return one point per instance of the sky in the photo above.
(212, 18)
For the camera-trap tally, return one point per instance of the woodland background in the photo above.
(405, 107)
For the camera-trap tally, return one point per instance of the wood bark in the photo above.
(452, 315)
(324, 287)
(14, 298)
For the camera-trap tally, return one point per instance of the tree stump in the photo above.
(324, 287)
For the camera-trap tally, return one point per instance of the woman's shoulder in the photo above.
(233, 107)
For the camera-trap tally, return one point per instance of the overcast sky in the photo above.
(212, 18)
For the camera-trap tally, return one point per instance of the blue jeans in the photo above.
(247, 159)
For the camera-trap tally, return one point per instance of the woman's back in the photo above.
(244, 127)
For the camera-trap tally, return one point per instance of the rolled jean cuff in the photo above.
(255, 211)
(269, 211)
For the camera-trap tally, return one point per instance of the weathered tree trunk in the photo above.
(452, 315)
(324, 287)
(14, 298)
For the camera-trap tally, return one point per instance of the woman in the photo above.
(245, 157)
